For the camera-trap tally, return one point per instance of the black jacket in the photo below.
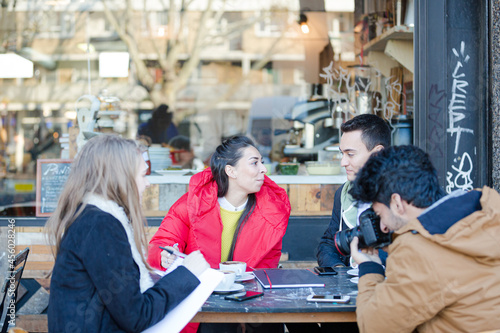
(95, 282)
(326, 252)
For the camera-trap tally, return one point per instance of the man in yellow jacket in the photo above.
(443, 268)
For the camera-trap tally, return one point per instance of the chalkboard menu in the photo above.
(51, 175)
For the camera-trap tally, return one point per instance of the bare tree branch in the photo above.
(255, 67)
(233, 29)
(175, 75)
(143, 73)
(173, 45)
(192, 62)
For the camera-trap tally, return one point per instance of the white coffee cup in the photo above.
(353, 263)
(228, 280)
(238, 267)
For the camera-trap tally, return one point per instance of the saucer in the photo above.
(234, 288)
(245, 277)
(354, 280)
(353, 272)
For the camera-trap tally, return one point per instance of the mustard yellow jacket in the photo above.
(443, 271)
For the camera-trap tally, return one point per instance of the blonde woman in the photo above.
(101, 281)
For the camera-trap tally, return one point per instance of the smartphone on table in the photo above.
(246, 296)
(325, 270)
(336, 298)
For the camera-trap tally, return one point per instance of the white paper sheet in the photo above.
(182, 314)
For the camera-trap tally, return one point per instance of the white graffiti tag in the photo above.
(458, 98)
(463, 177)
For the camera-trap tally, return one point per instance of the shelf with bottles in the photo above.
(392, 48)
(379, 43)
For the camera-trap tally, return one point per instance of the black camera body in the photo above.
(368, 231)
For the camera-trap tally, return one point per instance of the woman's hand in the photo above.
(166, 258)
(196, 263)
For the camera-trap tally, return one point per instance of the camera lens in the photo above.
(343, 239)
(368, 232)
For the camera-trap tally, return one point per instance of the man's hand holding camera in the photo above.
(368, 236)
(363, 255)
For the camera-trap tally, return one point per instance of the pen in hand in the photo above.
(174, 252)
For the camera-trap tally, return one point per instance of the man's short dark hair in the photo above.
(406, 170)
(374, 130)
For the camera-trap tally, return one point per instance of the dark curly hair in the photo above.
(406, 170)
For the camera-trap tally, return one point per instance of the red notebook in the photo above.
(287, 278)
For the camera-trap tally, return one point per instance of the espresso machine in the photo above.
(313, 129)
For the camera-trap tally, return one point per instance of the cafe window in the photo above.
(251, 71)
(99, 26)
(226, 31)
(272, 24)
(156, 24)
(55, 25)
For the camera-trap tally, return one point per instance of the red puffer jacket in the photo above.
(194, 223)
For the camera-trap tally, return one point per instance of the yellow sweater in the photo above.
(229, 222)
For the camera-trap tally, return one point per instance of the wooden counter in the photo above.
(309, 195)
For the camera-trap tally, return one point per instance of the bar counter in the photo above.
(309, 195)
(278, 179)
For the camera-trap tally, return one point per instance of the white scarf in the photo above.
(112, 208)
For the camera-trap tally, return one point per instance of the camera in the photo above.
(368, 231)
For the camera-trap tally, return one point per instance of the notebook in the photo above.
(287, 278)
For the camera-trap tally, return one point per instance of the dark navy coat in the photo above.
(95, 282)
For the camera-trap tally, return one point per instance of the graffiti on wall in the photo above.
(459, 176)
(436, 133)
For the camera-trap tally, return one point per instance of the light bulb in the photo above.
(304, 27)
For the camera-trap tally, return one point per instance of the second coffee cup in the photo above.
(238, 267)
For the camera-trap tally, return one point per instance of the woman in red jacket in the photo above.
(232, 211)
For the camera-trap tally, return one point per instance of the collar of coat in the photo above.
(118, 213)
(466, 223)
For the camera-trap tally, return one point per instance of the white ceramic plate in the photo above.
(245, 277)
(353, 272)
(158, 149)
(175, 172)
(234, 288)
(354, 280)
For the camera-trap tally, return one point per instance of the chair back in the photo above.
(9, 289)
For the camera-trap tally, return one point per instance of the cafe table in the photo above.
(284, 305)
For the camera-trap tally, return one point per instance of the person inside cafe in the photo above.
(361, 136)
(184, 154)
(232, 212)
(101, 280)
(159, 128)
(443, 269)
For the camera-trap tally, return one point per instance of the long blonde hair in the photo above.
(107, 166)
